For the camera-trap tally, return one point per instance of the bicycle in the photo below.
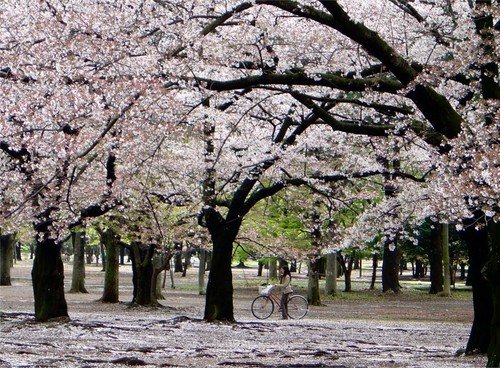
(263, 305)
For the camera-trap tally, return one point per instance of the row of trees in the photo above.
(132, 116)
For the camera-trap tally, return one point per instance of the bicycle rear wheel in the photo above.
(262, 307)
(297, 307)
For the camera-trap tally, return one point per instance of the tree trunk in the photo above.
(273, 269)
(78, 276)
(436, 259)
(492, 273)
(102, 253)
(479, 252)
(186, 255)
(160, 263)
(219, 294)
(392, 255)
(110, 240)
(143, 274)
(486, 22)
(260, 267)
(374, 270)
(201, 272)
(178, 260)
(123, 250)
(6, 256)
(313, 295)
(419, 269)
(348, 273)
(18, 251)
(219, 297)
(48, 281)
(89, 254)
(446, 261)
(331, 274)
(390, 267)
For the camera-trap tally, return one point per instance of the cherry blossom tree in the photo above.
(424, 73)
(403, 92)
(78, 83)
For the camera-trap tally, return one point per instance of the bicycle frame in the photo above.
(263, 305)
(276, 300)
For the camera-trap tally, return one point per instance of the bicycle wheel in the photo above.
(297, 307)
(262, 307)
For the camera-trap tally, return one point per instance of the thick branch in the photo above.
(278, 186)
(434, 106)
(271, 190)
(220, 20)
(21, 154)
(299, 78)
(342, 126)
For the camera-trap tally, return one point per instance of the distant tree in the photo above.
(7, 242)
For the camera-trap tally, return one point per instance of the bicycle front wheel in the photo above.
(262, 307)
(297, 307)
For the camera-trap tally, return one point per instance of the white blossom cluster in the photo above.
(85, 81)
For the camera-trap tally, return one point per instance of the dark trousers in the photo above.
(284, 305)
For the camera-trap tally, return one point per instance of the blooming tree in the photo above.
(100, 98)
(425, 73)
(86, 106)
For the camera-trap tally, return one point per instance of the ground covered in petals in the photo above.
(362, 329)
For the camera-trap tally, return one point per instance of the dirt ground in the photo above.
(367, 329)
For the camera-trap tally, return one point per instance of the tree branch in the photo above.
(434, 106)
(342, 126)
(111, 123)
(220, 20)
(299, 78)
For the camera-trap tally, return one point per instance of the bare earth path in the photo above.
(376, 331)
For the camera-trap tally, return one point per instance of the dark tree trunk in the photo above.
(260, 268)
(436, 259)
(78, 276)
(186, 255)
(492, 273)
(390, 267)
(374, 271)
(313, 294)
(272, 268)
(48, 281)
(348, 273)
(419, 269)
(110, 240)
(89, 253)
(219, 296)
(18, 251)
(122, 255)
(6, 256)
(208, 263)
(143, 272)
(178, 267)
(462, 266)
(315, 262)
(486, 22)
(479, 252)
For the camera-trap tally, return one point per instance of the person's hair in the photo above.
(286, 271)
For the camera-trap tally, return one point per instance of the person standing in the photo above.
(284, 288)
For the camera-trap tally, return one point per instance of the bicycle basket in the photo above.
(265, 289)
